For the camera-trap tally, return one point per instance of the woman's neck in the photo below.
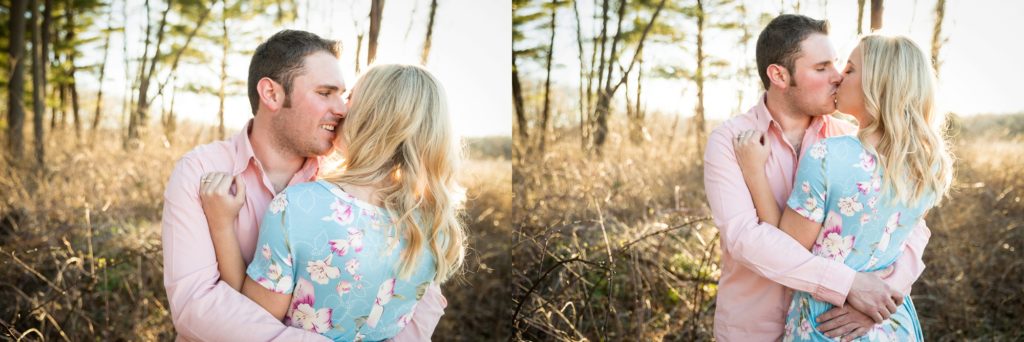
(366, 193)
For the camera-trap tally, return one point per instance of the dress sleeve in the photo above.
(272, 266)
(810, 190)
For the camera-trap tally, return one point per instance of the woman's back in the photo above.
(839, 184)
(338, 256)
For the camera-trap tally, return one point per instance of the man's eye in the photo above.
(324, 94)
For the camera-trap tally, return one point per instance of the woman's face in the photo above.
(850, 96)
(341, 144)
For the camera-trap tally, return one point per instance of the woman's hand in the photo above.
(220, 206)
(751, 151)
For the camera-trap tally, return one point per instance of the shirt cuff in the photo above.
(835, 284)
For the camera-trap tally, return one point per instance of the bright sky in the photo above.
(469, 54)
(980, 71)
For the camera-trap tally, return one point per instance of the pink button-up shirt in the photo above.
(761, 264)
(206, 309)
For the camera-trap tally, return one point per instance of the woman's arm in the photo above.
(752, 153)
(275, 303)
(221, 209)
(800, 228)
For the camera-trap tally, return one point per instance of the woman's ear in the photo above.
(271, 94)
(778, 76)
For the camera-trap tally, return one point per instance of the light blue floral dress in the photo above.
(838, 184)
(338, 258)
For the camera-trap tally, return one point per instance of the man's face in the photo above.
(815, 76)
(308, 127)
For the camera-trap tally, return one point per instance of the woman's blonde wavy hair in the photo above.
(899, 92)
(400, 138)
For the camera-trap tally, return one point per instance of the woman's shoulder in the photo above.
(301, 195)
(838, 148)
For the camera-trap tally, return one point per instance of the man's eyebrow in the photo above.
(330, 87)
(824, 63)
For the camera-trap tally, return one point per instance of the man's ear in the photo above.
(271, 94)
(779, 76)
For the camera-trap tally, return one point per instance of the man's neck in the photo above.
(278, 164)
(793, 124)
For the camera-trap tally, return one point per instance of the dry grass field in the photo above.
(621, 246)
(80, 249)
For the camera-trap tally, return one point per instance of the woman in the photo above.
(349, 256)
(856, 199)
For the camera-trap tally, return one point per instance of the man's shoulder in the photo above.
(214, 156)
(735, 124)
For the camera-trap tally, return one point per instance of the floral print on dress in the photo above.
(841, 181)
(338, 257)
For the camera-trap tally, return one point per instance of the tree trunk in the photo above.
(430, 31)
(38, 86)
(139, 114)
(225, 43)
(876, 15)
(517, 101)
(72, 87)
(546, 111)
(698, 114)
(376, 14)
(359, 50)
(103, 67)
(860, 16)
(937, 40)
(45, 51)
(583, 76)
(16, 85)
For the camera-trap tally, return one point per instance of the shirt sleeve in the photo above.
(763, 248)
(910, 264)
(425, 317)
(272, 266)
(810, 191)
(202, 307)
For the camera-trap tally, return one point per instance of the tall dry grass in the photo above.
(619, 246)
(80, 249)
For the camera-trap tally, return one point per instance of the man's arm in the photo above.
(910, 265)
(764, 248)
(203, 308)
(424, 319)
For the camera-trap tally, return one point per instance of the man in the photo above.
(760, 263)
(295, 89)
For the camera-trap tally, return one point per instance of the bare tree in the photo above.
(103, 67)
(16, 85)
(877, 9)
(430, 32)
(937, 40)
(606, 68)
(546, 111)
(70, 85)
(860, 16)
(376, 14)
(140, 115)
(38, 85)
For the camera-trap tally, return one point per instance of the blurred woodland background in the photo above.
(613, 101)
(100, 98)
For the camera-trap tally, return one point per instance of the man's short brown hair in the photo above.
(779, 42)
(281, 57)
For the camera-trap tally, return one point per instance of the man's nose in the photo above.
(339, 108)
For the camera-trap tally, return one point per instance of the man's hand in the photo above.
(846, 322)
(221, 207)
(874, 298)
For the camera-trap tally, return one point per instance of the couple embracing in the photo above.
(264, 241)
(822, 221)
